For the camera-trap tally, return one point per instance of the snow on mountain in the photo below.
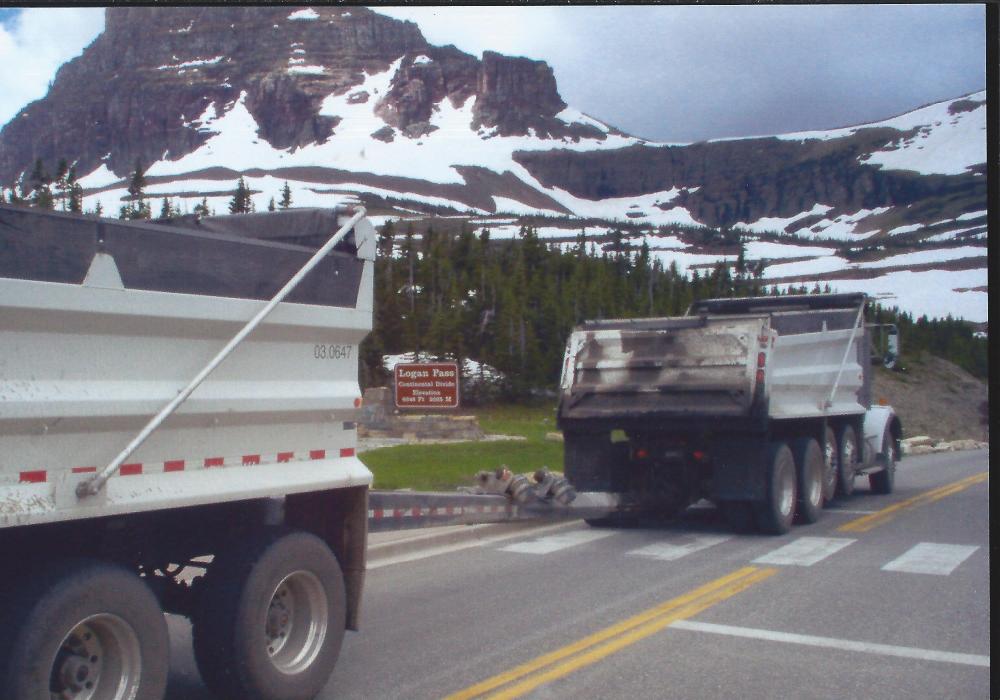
(349, 106)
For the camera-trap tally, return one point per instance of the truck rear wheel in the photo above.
(882, 482)
(809, 475)
(831, 465)
(270, 621)
(83, 630)
(850, 455)
(776, 511)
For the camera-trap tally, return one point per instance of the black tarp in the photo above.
(248, 256)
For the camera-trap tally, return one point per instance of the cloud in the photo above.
(690, 72)
(666, 72)
(34, 42)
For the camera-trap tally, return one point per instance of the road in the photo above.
(884, 597)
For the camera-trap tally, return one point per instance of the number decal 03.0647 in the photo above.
(332, 352)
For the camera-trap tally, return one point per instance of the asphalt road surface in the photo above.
(884, 597)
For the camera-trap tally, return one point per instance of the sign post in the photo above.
(426, 385)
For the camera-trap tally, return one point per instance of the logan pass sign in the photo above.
(427, 385)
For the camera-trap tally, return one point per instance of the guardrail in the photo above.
(404, 510)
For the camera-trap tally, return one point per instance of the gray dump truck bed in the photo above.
(782, 360)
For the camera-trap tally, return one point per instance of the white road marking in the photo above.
(554, 543)
(805, 551)
(832, 643)
(846, 511)
(378, 563)
(667, 551)
(931, 558)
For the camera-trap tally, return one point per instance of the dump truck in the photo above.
(177, 414)
(762, 405)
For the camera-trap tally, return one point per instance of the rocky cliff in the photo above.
(136, 92)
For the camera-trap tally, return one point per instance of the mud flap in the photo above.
(739, 468)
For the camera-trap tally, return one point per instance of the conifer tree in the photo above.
(270, 205)
(286, 196)
(166, 211)
(241, 203)
(137, 206)
(201, 209)
(41, 192)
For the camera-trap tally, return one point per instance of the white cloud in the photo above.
(34, 43)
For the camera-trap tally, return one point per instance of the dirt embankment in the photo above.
(936, 398)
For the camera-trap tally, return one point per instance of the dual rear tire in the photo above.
(82, 629)
(270, 621)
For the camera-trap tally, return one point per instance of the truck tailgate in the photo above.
(661, 367)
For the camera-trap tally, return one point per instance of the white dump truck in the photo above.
(177, 432)
(762, 405)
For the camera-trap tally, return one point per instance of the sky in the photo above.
(674, 73)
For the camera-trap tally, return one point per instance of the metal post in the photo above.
(847, 353)
(94, 485)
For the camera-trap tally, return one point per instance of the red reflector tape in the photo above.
(84, 470)
(285, 456)
(317, 454)
(131, 469)
(347, 452)
(174, 465)
(214, 461)
(251, 459)
(33, 477)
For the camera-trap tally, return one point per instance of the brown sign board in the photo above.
(427, 385)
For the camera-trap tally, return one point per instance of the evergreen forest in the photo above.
(512, 303)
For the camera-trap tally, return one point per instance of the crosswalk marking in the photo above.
(931, 558)
(553, 543)
(669, 551)
(805, 551)
(832, 643)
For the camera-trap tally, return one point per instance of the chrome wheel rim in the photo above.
(297, 621)
(786, 498)
(830, 466)
(816, 489)
(99, 659)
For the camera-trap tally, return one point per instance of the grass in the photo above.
(443, 467)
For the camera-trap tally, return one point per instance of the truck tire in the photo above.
(81, 628)
(849, 456)
(776, 512)
(831, 465)
(270, 619)
(882, 482)
(809, 465)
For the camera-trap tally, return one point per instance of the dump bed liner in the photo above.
(246, 257)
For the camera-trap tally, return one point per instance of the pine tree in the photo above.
(98, 209)
(286, 196)
(137, 207)
(166, 211)
(76, 198)
(201, 209)
(270, 205)
(62, 185)
(241, 203)
(41, 192)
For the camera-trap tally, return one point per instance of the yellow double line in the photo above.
(868, 522)
(589, 650)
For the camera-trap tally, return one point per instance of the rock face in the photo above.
(767, 177)
(138, 90)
